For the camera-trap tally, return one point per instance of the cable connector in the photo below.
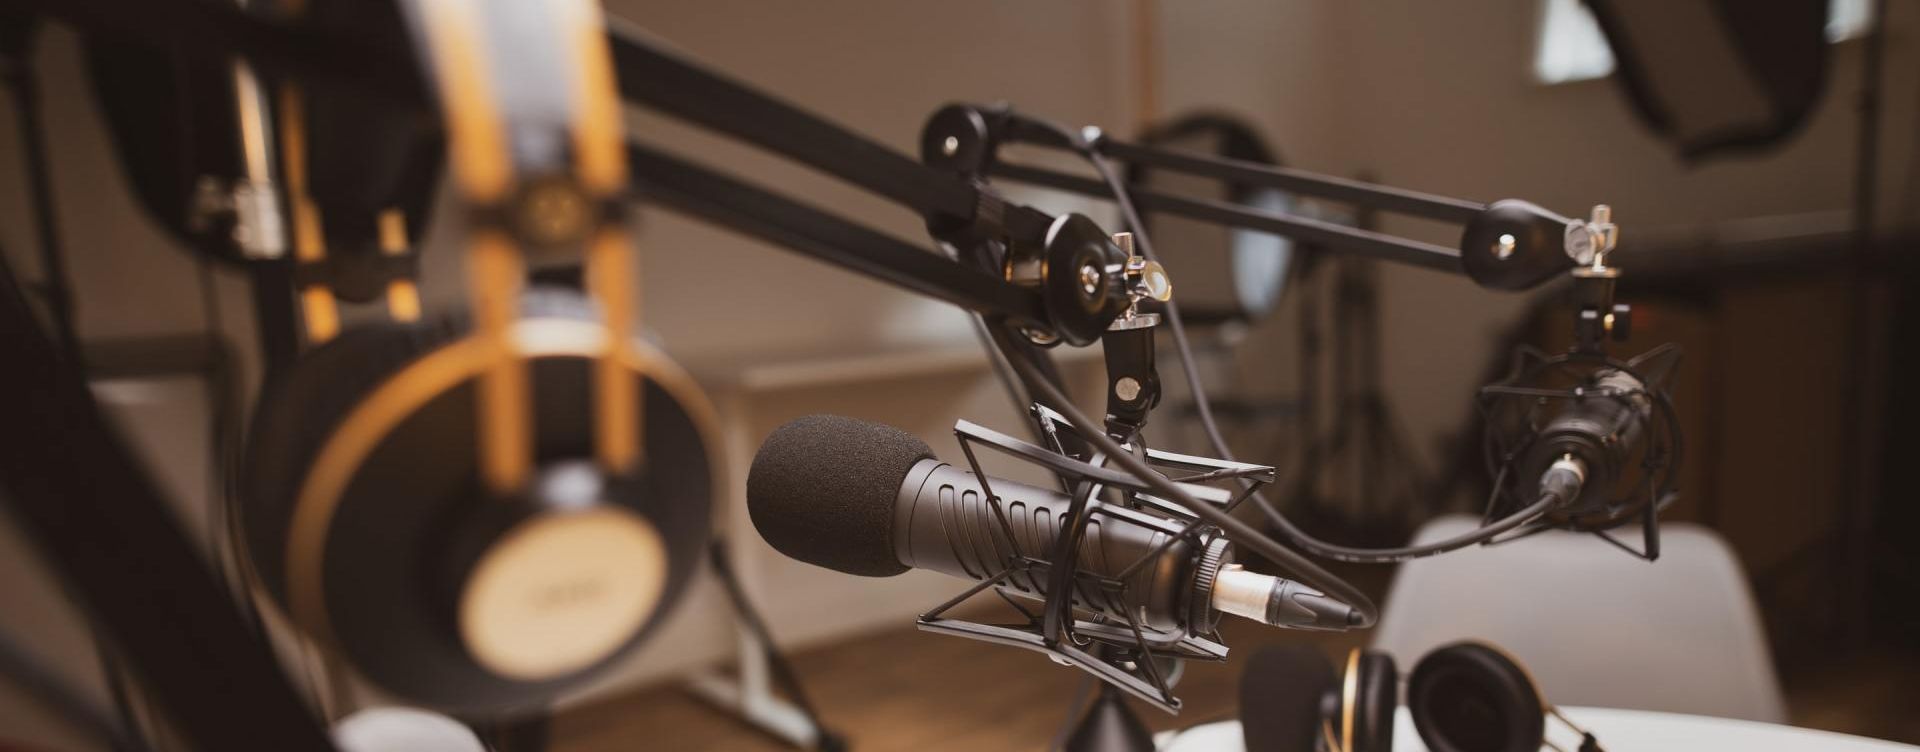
(1564, 479)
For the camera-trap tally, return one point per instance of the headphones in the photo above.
(1261, 262)
(481, 512)
(1465, 697)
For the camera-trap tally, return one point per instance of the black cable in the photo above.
(1203, 407)
(998, 361)
(1240, 532)
(226, 538)
(1472, 537)
(1004, 373)
(213, 365)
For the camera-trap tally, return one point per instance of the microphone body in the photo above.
(943, 523)
(872, 500)
(1594, 438)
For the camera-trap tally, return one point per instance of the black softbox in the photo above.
(1719, 76)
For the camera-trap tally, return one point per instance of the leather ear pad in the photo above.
(299, 411)
(1470, 697)
(1281, 689)
(1377, 699)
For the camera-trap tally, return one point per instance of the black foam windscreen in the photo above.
(823, 490)
(1281, 689)
(1469, 697)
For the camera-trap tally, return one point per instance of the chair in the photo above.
(1594, 626)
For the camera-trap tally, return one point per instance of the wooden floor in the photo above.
(911, 690)
(902, 689)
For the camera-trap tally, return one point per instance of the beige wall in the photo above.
(1439, 97)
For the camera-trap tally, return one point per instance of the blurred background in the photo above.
(1359, 383)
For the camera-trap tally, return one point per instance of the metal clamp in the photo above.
(1589, 242)
(1143, 280)
(250, 206)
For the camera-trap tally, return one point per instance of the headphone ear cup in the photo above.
(1281, 690)
(435, 588)
(1376, 700)
(1470, 697)
(301, 408)
(295, 416)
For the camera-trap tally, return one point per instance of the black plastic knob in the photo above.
(1514, 245)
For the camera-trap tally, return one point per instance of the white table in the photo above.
(1617, 730)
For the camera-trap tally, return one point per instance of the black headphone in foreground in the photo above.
(480, 513)
(1464, 697)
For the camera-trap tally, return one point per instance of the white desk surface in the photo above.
(1617, 730)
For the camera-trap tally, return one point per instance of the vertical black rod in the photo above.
(275, 320)
(1866, 166)
(19, 74)
(98, 518)
(1856, 486)
(1351, 430)
(1109, 725)
(1306, 484)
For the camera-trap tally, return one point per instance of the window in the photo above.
(1571, 48)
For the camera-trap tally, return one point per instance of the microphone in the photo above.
(1601, 433)
(872, 500)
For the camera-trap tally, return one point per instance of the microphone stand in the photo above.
(1109, 725)
(81, 496)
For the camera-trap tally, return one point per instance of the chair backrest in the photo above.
(1593, 625)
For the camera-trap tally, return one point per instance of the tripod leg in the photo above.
(798, 723)
(1110, 726)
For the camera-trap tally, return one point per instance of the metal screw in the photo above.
(1040, 337)
(1127, 389)
(1589, 243)
(1506, 247)
(552, 212)
(1090, 279)
(951, 146)
(1154, 282)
